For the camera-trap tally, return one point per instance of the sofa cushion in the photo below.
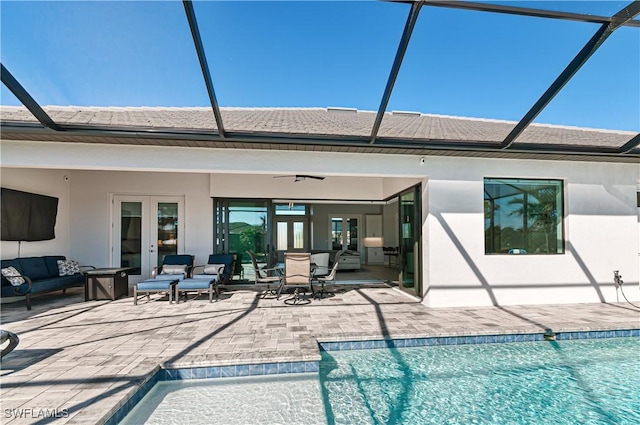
(35, 268)
(9, 290)
(52, 263)
(68, 267)
(13, 276)
(57, 283)
(9, 263)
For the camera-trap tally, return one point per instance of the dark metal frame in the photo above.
(395, 68)
(197, 41)
(23, 96)
(608, 25)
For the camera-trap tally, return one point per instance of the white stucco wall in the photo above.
(43, 182)
(601, 234)
(601, 218)
(91, 213)
(279, 186)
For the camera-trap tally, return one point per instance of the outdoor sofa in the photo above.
(40, 275)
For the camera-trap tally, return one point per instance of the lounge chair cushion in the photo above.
(213, 268)
(166, 276)
(226, 260)
(195, 283)
(173, 269)
(155, 284)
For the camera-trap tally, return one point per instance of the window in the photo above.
(523, 216)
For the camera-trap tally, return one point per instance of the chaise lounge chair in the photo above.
(165, 278)
(208, 277)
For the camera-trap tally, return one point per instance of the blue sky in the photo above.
(319, 54)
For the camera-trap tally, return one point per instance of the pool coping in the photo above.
(164, 374)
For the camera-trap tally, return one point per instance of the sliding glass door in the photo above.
(242, 225)
(410, 232)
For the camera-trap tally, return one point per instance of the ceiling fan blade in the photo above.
(300, 177)
(306, 176)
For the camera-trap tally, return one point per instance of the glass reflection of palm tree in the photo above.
(538, 208)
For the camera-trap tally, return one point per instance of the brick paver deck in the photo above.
(86, 357)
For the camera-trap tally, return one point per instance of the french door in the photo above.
(291, 229)
(144, 230)
(343, 233)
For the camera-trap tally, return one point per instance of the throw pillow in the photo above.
(213, 268)
(13, 276)
(68, 267)
(174, 269)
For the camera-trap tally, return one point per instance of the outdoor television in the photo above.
(27, 216)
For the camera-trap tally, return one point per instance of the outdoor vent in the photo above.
(334, 109)
(409, 113)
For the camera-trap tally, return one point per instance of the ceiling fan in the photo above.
(300, 177)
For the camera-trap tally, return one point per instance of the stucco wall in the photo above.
(601, 234)
(43, 182)
(91, 212)
(601, 218)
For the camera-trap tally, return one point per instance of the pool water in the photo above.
(278, 399)
(568, 382)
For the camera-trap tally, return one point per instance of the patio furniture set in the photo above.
(26, 276)
(177, 277)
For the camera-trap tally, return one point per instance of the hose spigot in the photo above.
(617, 279)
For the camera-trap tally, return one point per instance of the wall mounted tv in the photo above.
(27, 216)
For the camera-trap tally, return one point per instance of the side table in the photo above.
(106, 283)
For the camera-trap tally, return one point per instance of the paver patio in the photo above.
(84, 358)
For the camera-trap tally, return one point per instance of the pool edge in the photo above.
(160, 374)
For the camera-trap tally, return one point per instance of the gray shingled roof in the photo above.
(320, 122)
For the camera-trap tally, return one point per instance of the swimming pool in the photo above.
(566, 382)
(592, 381)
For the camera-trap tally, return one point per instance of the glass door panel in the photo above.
(336, 233)
(298, 235)
(167, 214)
(409, 241)
(352, 234)
(131, 236)
(241, 225)
(282, 236)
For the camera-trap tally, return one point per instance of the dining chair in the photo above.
(321, 262)
(270, 277)
(297, 275)
(330, 278)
